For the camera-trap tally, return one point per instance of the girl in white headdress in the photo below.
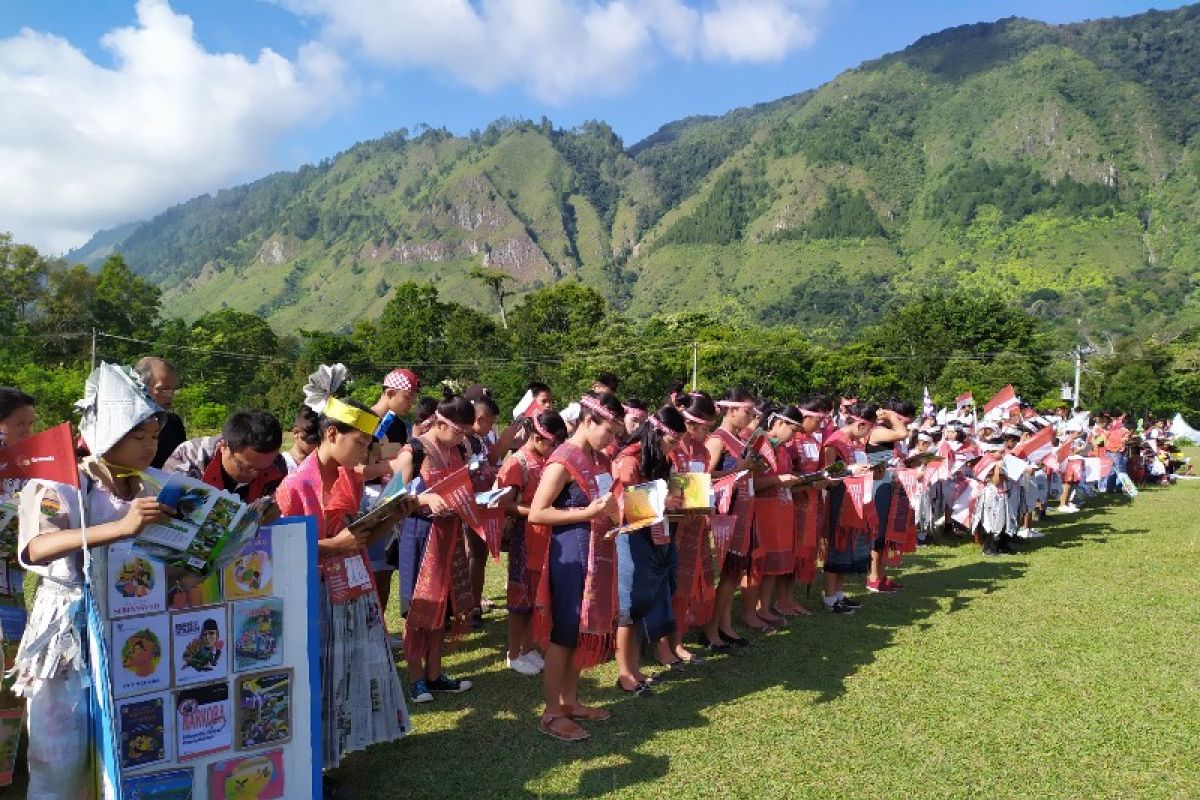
(120, 425)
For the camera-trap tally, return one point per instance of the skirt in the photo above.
(362, 699)
(522, 574)
(414, 536)
(644, 585)
(855, 556)
(570, 547)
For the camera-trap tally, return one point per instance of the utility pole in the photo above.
(1078, 371)
(695, 366)
(93, 349)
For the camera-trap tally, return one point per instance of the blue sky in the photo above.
(349, 70)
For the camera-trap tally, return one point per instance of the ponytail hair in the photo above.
(456, 408)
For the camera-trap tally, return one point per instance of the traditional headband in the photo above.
(748, 404)
(542, 432)
(403, 379)
(660, 427)
(692, 417)
(451, 424)
(783, 417)
(860, 419)
(595, 407)
(365, 421)
(804, 412)
(636, 413)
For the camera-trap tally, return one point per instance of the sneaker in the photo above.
(850, 603)
(522, 665)
(1067, 509)
(1034, 533)
(1023, 533)
(535, 658)
(420, 692)
(839, 607)
(444, 683)
(877, 585)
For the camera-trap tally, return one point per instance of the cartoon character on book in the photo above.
(141, 653)
(258, 640)
(248, 571)
(140, 748)
(204, 652)
(136, 578)
(250, 779)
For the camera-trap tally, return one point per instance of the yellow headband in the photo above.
(356, 418)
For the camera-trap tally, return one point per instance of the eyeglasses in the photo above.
(246, 468)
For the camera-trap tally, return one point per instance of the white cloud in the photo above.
(562, 49)
(84, 146)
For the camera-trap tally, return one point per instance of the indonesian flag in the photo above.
(458, 493)
(49, 455)
(963, 400)
(1005, 398)
(1043, 439)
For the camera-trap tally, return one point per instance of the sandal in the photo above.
(589, 713)
(567, 731)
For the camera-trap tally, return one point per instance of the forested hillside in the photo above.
(1058, 166)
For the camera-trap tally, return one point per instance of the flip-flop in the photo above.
(589, 714)
(546, 726)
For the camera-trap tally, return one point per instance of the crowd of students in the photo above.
(815, 488)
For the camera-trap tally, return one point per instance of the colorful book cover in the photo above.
(205, 522)
(693, 488)
(642, 505)
(203, 720)
(12, 722)
(141, 655)
(253, 777)
(171, 784)
(198, 645)
(257, 630)
(186, 589)
(249, 575)
(137, 584)
(264, 709)
(144, 723)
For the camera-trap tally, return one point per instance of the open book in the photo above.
(645, 504)
(393, 497)
(208, 529)
(694, 488)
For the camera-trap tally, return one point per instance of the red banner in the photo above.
(1003, 399)
(49, 455)
(859, 494)
(493, 528)
(722, 532)
(458, 493)
(1041, 439)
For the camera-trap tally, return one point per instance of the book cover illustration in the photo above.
(208, 529)
(253, 777)
(12, 722)
(186, 589)
(141, 655)
(171, 784)
(203, 720)
(143, 723)
(198, 645)
(694, 489)
(264, 709)
(137, 584)
(257, 630)
(642, 505)
(249, 575)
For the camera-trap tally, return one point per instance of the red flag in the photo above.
(964, 400)
(49, 455)
(765, 449)
(456, 490)
(1034, 443)
(1003, 399)
(493, 528)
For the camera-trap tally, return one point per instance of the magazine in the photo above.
(186, 589)
(264, 709)
(645, 504)
(170, 784)
(208, 529)
(394, 497)
(141, 655)
(249, 575)
(252, 777)
(202, 720)
(198, 645)
(144, 729)
(257, 630)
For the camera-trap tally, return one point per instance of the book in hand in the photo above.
(394, 501)
(645, 504)
(208, 529)
(694, 489)
(493, 497)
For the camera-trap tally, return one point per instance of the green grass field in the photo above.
(1068, 671)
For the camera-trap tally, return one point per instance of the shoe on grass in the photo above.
(522, 665)
(420, 692)
(444, 683)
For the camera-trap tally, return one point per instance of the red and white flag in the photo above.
(1029, 449)
(963, 400)
(1005, 398)
(458, 493)
(49, 455)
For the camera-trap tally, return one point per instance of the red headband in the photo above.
(454, 426)
(660, 427)
(542, 432)
(597, 408)
(693, 418)
(804, 412)
(735, 404)
(783, 417)
(636, 413)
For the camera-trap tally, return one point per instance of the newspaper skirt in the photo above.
(993, 512)
(362, 696)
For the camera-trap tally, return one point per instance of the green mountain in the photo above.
(1057, 164)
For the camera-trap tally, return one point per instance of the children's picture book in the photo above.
(208, 529)
(252, 777)
(140, 655)
(694, 489)
(144, 728)
(394, 497)
(8, 529)
(249, 575)
(493, 497)
(644, 505)
(170, 784)
(198, 645)
(264, 709)
(257, 631)
(12, 722)
(203, 720)
(185, 589)
(137, 584)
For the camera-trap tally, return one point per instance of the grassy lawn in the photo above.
(1068, 671)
